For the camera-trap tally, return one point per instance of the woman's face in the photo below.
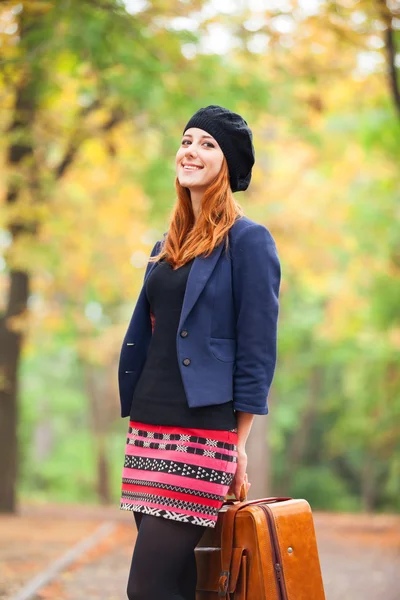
(198, 160)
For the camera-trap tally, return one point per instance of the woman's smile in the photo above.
(191, 167)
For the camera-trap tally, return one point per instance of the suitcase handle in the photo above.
(243, 498)
(258, 501)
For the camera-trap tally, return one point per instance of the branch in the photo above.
(117, 116)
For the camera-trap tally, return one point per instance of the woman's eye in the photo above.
(184, 142)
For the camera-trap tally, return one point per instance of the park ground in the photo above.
(360, 554)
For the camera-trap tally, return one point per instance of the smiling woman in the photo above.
(198, 357)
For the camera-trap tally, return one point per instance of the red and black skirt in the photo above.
(178, 473)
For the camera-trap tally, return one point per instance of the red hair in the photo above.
(186, 239)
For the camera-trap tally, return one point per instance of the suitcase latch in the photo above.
(223, 583)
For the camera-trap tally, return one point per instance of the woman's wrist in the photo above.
(244, 423)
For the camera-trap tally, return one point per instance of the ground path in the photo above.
(360, 555)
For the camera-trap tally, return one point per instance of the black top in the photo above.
(159, 397)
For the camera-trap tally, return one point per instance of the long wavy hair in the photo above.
(185, 238)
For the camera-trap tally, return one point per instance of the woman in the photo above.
(198, 358)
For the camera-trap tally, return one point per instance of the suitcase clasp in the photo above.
(223, 584)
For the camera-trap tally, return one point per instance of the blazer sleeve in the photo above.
(256, 276)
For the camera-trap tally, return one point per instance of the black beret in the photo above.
(235, 139)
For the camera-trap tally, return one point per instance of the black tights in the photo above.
(163, 562)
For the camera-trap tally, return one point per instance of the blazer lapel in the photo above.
(198, 276)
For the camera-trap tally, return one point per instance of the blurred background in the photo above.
(94, 95)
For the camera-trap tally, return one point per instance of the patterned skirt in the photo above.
(178, 473)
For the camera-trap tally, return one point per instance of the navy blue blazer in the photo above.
(227, 335)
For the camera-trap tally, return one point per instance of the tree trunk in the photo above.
(100, 419)
(390, 49)
(12, 322)
(298, 443)
(10, 347)
(368, 484)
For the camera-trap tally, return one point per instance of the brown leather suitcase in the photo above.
(260, 550)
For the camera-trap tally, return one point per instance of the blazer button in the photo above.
(184, 333)
(186, 362)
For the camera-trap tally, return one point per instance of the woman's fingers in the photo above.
(240, 479)
(239, 484)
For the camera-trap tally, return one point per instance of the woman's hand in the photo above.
(240, 477)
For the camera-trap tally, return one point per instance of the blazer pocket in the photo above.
(223, 348)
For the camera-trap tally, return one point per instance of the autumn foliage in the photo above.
(93, 99)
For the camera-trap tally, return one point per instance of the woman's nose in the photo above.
(191, 152)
